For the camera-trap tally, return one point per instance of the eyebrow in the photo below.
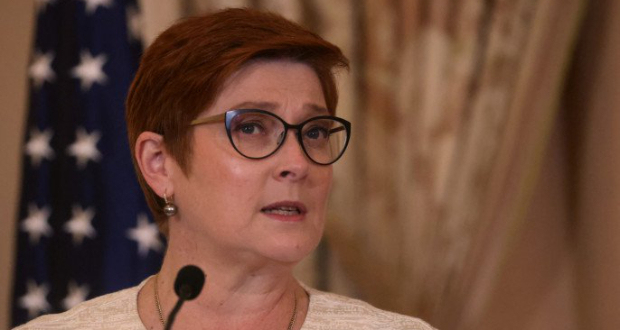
(271, 106)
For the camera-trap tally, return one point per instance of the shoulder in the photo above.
(343, 313)
(112, 311)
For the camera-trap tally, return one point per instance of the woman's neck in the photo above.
(238, 294)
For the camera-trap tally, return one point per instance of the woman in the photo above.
(230, 117)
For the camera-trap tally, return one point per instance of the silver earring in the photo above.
(170, 208)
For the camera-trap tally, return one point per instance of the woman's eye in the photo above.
(250, 128)
(317, 133)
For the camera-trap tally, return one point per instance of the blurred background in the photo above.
(480, 190)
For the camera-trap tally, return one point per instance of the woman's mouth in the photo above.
(285, 210)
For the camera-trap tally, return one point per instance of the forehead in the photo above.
(274, 85)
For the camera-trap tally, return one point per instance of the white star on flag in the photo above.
(85, 147)
(38, 146)
(80, 226)
(76, 295)
(35, 300)
(90, 70)
(41, 69)
(36, 223)
(91, 5)
(134, 23)
(146, 235)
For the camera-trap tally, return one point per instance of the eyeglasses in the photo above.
(257, 134)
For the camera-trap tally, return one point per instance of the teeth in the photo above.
(283, 210)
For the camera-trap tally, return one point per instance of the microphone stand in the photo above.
(173, 313)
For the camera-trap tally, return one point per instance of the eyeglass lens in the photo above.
(258, 135)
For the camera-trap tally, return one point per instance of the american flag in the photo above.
(84, 228)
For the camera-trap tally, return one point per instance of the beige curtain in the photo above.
(592, 103)
(455, 103)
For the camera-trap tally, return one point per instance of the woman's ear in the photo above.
(151, 155)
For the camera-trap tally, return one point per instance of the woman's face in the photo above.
(272, 208)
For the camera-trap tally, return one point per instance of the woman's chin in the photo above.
(291, 253)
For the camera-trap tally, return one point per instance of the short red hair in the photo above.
(182, 72)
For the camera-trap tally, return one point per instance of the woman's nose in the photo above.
(292, 161)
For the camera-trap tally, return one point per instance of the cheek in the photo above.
(329, 180)
(240, 180)
(220, 165)
(325, 183)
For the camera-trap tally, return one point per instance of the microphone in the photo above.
(188, 284)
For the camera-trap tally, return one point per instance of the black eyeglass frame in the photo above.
(228, 116)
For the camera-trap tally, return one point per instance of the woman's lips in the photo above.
(285, 211)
